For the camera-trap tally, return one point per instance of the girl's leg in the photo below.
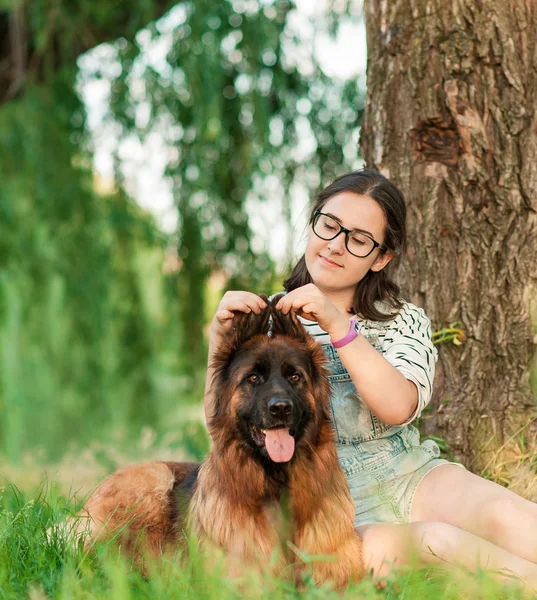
(427, 542)
(455, 496)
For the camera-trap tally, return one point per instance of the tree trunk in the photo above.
(451, 119)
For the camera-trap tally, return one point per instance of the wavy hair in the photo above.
(376, 286)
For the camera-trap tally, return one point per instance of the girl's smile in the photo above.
(329, 263)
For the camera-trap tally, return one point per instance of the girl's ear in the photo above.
(382, 260)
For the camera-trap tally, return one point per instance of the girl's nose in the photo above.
(337, 245)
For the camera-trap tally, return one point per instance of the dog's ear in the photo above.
(286, 324)
(246, 326)
(249, 325)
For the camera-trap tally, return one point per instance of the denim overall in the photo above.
(383, 464)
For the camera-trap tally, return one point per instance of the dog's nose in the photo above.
(279, 407)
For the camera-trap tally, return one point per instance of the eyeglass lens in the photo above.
(327, 228)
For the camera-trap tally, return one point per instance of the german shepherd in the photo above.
(270, 489)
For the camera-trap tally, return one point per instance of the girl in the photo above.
(408, 501)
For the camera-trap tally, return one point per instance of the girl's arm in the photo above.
(389, 394)
(221, 325)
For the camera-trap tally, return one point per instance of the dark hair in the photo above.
(376, 285)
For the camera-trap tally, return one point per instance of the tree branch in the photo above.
(53, 35)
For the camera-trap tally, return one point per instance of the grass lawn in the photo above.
(37, 560)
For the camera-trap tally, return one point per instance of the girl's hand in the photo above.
(232, 303)
(309, 302)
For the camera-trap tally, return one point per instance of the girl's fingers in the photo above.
(284, 304)
(258, 304)
(242, 301)
(236, 306)
(240, 304)
(234, 303)
(294, 303)
(224, 315)
(310, 309)
(305, 293)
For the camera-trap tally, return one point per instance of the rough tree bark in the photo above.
(451, 118)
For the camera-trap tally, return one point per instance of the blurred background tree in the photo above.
(101, 311)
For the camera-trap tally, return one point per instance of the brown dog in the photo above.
(271, 484)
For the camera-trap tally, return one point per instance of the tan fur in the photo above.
(133, 505)
(237, 510)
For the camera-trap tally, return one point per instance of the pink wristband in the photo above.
(354, 330)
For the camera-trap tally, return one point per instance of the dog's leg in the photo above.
(323, 508)
(134, 507)
(330, 536)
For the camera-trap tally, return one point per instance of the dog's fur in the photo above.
(239, 500)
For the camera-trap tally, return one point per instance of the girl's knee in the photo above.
(386, 546)
(497, 515)
(434, 538)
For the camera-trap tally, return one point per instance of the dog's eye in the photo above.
(294, 377)
(253, 378)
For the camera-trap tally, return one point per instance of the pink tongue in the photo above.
(280, 445)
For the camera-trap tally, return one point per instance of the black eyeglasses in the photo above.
(359, 244)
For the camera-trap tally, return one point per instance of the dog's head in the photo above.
(270, 387)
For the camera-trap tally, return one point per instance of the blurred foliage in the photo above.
(80, 327)
(234, 107)
(94, 333)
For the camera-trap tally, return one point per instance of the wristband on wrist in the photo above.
(354, 330)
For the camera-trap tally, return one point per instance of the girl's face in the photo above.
(331, 266)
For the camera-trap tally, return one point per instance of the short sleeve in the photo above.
(409, 348)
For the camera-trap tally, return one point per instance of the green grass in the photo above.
(38, 559)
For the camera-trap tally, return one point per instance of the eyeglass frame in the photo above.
(316, 216)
